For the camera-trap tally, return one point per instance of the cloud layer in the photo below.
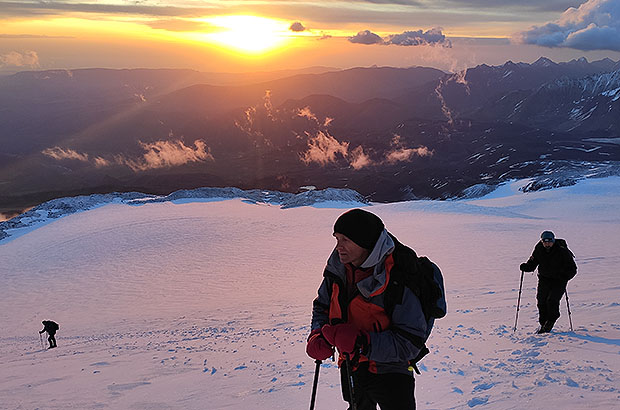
(595, 25)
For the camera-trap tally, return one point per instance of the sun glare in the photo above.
(248, 34)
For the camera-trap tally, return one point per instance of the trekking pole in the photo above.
(568, 307)
(315, 383)
(518, 302)
(41, 340)
(351, 382)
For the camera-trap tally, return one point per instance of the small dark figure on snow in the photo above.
(50, 327)
(556, 266)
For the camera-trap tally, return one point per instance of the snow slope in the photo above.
(206, 305)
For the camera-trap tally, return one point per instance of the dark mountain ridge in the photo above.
(389, 133)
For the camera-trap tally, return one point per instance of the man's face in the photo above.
(547, 244)
(349, 251)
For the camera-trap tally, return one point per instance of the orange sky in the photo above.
(234, 36)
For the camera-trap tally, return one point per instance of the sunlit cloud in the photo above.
(158, 154)
(359, 159)
(253, 120)
(166, 154)
(101, 162)
(399, 153)
(31, 36)
(433, 36)
(407, 154)
(28, 59)
(323, 149)
(62, 153)
(178, 24)
(307, 113)
(595, 25)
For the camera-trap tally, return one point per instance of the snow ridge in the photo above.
(56, 208)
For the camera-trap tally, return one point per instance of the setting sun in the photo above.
(249, 34)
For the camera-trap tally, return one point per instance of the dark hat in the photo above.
(362, 227)
(547, 236)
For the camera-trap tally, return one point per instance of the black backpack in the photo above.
(53, 325)
(562, 244)
(425, 280)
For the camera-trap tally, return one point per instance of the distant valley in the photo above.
(389, 133)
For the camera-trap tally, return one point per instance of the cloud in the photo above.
(158, 154)
(419, 38)
(323, 149)
(366, 37)
(49, 8)
(166, 154)
(307, 113)
(536, 5)
(297, 27)
(15, 59)
(595, 25)
(101, 162)
(400, 153)
(359, 159)
(180, 25)
(61, 153)
(434, 36)
(407, 154)
(30, 36)
(253, 121)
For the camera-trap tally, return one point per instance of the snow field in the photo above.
(206, 305)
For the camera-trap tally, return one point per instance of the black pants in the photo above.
(391, 391)
(52, 339)
(548, 296)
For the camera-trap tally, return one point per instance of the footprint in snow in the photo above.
(477, 401)
(484, 386)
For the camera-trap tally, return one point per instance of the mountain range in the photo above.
(389, 133)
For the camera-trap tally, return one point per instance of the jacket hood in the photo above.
(384, 246)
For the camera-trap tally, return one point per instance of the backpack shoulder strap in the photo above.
(404, 259)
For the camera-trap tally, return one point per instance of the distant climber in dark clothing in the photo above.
(556, 266)
(50, 327)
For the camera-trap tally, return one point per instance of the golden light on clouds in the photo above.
(247, 34)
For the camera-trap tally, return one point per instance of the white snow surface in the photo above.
(206, 305)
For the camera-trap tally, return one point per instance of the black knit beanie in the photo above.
(362, 227)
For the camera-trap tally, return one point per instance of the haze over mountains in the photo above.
(389, 133)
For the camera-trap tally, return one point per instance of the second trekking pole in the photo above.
(315, 383)
(519, 302)
(351, 382)
(568, 307)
